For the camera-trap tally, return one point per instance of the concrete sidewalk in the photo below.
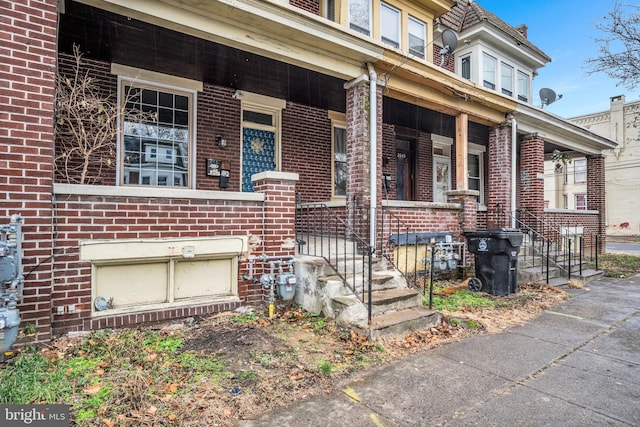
(575, 365)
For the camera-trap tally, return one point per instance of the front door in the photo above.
(441, 178)
(405, 170)
(258, 154)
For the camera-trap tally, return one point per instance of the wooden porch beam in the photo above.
(462, 150)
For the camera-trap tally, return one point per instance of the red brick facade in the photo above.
(499, 167)
(27, 70)
(531, 179)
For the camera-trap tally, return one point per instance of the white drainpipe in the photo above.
(373, 138)
(514, 136)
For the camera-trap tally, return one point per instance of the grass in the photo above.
(618, 265)
(106, 372)
(460, 300)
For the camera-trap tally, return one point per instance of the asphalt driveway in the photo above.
(575, 365)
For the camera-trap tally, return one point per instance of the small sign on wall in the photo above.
(213, 167)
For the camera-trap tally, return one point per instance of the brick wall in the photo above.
(596, 193)
(312, 6)
(449, 61)
(218, 114)
(531, 181)
(105, 83)
(499, 169)
(306, 150)
(108, 217)
(27, 70)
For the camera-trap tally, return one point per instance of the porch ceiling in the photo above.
(113, 37)
(272, 29)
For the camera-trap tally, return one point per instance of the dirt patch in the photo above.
(218, 370)
(275, 362)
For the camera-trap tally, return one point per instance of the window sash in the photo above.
(507, 79)
(156, 152)
(523, 86)
(580, 171)
(465, 65)
(339, 161)
(390, 25)
(489, 71)
(581, 202)
(360, 16)
(417, 37)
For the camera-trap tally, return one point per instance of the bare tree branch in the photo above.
(619, 50)
(87, 125)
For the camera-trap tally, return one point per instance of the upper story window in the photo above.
(417, 37)
(390, 25)
(157, 152)
(465, 67)
(489, 71)
(328, 9)
(506, 79)
(581, 202)
(523, 87)
(580, 170)
(360, 16)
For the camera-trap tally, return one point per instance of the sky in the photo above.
(566, 31)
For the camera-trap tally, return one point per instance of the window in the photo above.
(506, 79)
(339, 161)
(360, 16)
(580, 170)
(474, 172)
(328, 9)
(465, 67)
(417, 37)
(475, 169)
(523, 86)
(581, 202)
(158, 151)
(441, 167)
(488, 71)
(390, 25)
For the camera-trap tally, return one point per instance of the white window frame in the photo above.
(441, 150)
(390, 15)
(353, 7)
(149, 175)
(581, 202)
(338, 121)
(462, 62)
(579, 170)
(524, 91)
(478, 150)
(488, 71)
(413, 24)
(506, 79)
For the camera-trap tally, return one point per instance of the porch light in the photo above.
(222, 141)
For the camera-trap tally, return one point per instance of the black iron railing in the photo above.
(417, 260)
(326, 232)
(564, 246)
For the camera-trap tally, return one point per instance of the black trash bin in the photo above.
(496, 258)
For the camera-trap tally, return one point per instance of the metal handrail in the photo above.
(555, 239)
(393, 225)
(321, 232)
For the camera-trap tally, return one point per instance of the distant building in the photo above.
(568, 189)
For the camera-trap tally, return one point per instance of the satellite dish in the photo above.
(548, 96)
(449, 42)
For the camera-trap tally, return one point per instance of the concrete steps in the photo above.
(396, 309)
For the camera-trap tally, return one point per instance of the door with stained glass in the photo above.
(258, 154)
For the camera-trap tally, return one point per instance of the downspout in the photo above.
(373, 139)
(514, 136)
